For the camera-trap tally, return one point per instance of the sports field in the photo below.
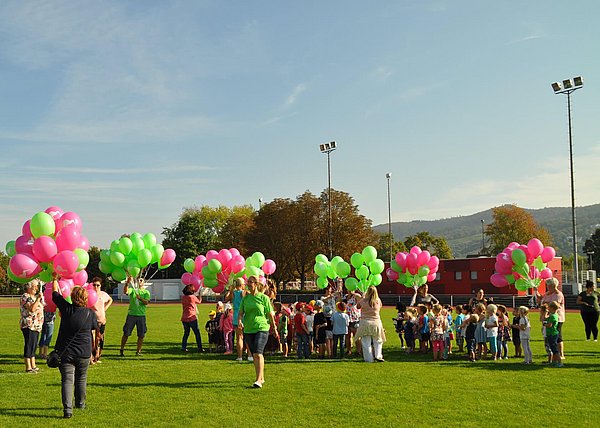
(166, 387)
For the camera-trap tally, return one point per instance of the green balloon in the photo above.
(322, 282)
(369, 254)
(137, 245)
(424, 271)
(117, 258)
(402, 278)
(105, 255)
(10, 248)
(16, 279)
(118, 274)
(363, 285)
(357, 260)
(362, 272)
(539, 264)
(321, 269)
(210, 282)
(189, 265)
(68, 299)
(376, 279)
(83, 257)
(253, 271)
(144, 257)
(214, 265)
(157, 252)
(135, 235)
(395, 266)
(518, 257)
(421, 280)
(510, 278)
(207, 273)
(162, 267)
(106, 267)
(521, 284)
(321, 258)
(351, 284)
(46, 275)
(125, 245)
(114, 245)
(377, 266)
(133, 268)
(342, 269)
(522, 270)
(42, 224)
(149, 240)
(335, 261)
(331, 273)
(259, 259)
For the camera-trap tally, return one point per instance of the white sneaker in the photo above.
(257, 384)
(251, 359)
(239, 359)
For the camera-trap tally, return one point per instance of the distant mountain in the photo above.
(464, 233)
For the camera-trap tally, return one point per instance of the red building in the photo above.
(466, 276)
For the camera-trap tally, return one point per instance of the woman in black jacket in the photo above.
(74, 344)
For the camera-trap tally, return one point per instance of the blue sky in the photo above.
(125, 112)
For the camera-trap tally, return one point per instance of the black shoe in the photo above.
(81, 406)
(121, 354)
(380, 360)
(67, 415)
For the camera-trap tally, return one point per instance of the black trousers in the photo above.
(590, 320)
(73, 373)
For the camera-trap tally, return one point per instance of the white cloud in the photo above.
(291, 98)
(382, 73)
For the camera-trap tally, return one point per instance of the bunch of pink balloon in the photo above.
(66, 286)
(414, 268)
(51, 244)
(214, 269)
(523, 265)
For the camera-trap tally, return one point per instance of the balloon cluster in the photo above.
(216, 269)
(414, 268)
(51, 245)
(367, 269)
(130, 254)
(523, 265)
(65, 287)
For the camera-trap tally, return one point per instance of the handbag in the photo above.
(53, 360)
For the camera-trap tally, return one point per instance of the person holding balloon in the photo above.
(189, 318)
(553, 294)
(422, 296)
(370, 329)
(32, 319)
(139, 298)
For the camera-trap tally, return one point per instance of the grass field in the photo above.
(166, 387)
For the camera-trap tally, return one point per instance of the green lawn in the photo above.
(165, 387)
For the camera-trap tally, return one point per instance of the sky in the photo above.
(126, 112)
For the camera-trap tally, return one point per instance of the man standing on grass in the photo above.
(139, 297)
(102, 304)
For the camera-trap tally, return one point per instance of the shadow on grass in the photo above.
(33, 412)
(196, 384)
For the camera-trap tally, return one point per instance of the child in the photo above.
(46, 335)
(212, 328)
(525, 333)
(472, 322)
(340, 321)
(503, 333)
(543, 316)
(310, 322)
(458, 330)
(226, 327)
(319, 328)
(282, 319)
(399, 322)
(516, 332)
(301, 331)
(220, 309)
(437, 326)
(552, 333)
(480, 332)
(448, 334)
(409, 329)
(423, 328)
(491, 327)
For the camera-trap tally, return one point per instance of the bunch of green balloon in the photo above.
(367, 269)
(326, 270)
(130, 254)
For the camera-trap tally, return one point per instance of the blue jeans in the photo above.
(502, 348)
(341, 338)
(47, 332)
(193, 325)
(303, 345)
(73, 372)
(493, 345)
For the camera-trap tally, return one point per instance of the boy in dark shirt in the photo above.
(212, 328)
(470, 336)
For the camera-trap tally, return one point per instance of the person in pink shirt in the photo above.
(226, 327)
(370, 329)
(102, 304)
(189, 319)
(553, 294)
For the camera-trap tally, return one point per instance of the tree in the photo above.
(383, 247)
(235, 230)
(4, 281)
(437, 246)
(592, 244)
(511, 223)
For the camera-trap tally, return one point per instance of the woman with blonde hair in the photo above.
(370, 329)
(32, 319)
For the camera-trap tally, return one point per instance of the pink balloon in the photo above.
(413, 270)
(504, 267)
(168, 257)
(512, 245)
(26, 229)
(534, 272)
(391, 274)
(224, 256)
(92, 296)
(211, 254)
(411, 260)
(535, 247)
(50, 306)
(198, 263)
(23, 244)
(238, 264)
(44, 249)
(269, 267)
(80, 278)
(222, 278)
(55, 212)
(66, 264)
(546, 273)
(433, 264)
(65, 285)
(548, 254)
(262, 279)
(24, 266)
(68, 238)
(431, 276)
(186, 278)
(196, 282)
(85, 243)
(219, 288)
(516, 275)
(415, 250)
(423, 258)
(401, 260)
(234, 252)
(71, 219)
(498, 280)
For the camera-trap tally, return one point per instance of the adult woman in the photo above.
(553, 294)
(32, 319)
(422, 296)
(588, 301)
(254, 317)
(74, 344)
(370, 329)
(474, 301)
(189, 319)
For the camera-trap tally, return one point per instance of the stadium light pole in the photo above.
(327, 148)
(482, 237)
(568, 87)
(388, 175)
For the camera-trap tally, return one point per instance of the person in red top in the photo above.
(189, 319)
(301, 332)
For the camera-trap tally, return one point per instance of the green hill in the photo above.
(464, 233)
